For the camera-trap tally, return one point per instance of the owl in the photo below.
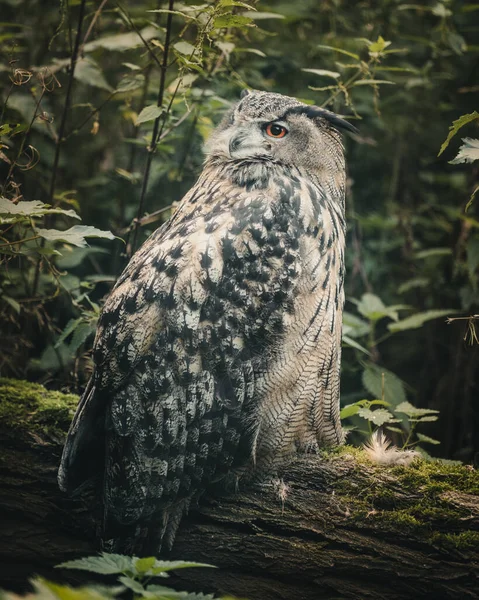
(217, 354)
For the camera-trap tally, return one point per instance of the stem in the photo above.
(35, 237)
(92, 24)
(61, 131)
(154, 136)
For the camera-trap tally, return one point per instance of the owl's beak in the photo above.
(236, 142)
(245, 144)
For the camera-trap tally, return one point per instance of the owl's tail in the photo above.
(145, 538)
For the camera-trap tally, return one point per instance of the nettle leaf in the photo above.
(416, 282)
(184, 48)
(130, 83)
(378, 416)
(162, 566)
(456, 125)
(394, 392)
(149, 113)
(75, 235)
(426, 439)
(31, 208)
(431, 252)
(143, 565)
(87, 71)
(411, 411)
(468, 152)
(122, 41)
(159, 592)
(132, 584)
(322, 72)
(372, 307)
(259, 16)
(349, 410)
(104, 564)
(353, 344)
(418, 320)
(224, 21)
(354, 326)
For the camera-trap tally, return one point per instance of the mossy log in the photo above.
(339, 527)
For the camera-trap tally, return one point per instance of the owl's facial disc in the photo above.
(255, 139)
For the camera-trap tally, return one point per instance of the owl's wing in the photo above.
(181, 341)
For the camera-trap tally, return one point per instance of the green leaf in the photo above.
(372, 307)
(12, 302)
(224, 21)
(426, 439)
(88, 72)
(31, 208)
(340, 50)
(130, 82)
(184, 48)
(468, 152)
(73, 257)
(349, 410)
(259, 16)
(411, 411)
(251, 51)
(163, 566)
(354, 326)
(418, 320)
(323, 73)
(122, 41)
(70, 327)
(149, 113)
(377, 46)
(394, 392)
(143, 565)
(104, 564)
(75, 235)
(433, 252)
(416, 282)
(378, 416)
(456, 125)
(373, 82)
(353, 344)
(132, 584)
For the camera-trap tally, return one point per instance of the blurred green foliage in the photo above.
(104, 108)
(133, 580)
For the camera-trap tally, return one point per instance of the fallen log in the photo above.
(336, 526)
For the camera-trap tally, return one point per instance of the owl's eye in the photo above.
(275, 130)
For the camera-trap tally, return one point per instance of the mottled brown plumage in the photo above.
(217, 354)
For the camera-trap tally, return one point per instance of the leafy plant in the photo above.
(133, 580)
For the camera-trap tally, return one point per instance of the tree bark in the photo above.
(336, 526)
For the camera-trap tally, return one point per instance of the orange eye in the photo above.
(275, 130)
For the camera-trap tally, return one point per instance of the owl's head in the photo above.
(267, 127)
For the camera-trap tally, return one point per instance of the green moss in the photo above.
(30, 406)
(416, 499)
(465, 540)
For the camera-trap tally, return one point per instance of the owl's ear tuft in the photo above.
(245, 93)
(332, 118)
(314, 112)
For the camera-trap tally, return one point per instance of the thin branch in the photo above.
(92, 24)
(156, 127)
(61, 130)
(138, 32)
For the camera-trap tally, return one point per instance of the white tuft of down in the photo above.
(380, 451)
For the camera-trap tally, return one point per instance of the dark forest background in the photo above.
(104, 108)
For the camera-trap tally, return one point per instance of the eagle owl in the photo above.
(217, 353)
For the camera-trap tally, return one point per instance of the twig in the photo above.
(138, 32)
(92, 24)
(154, 136)
(61, 130)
